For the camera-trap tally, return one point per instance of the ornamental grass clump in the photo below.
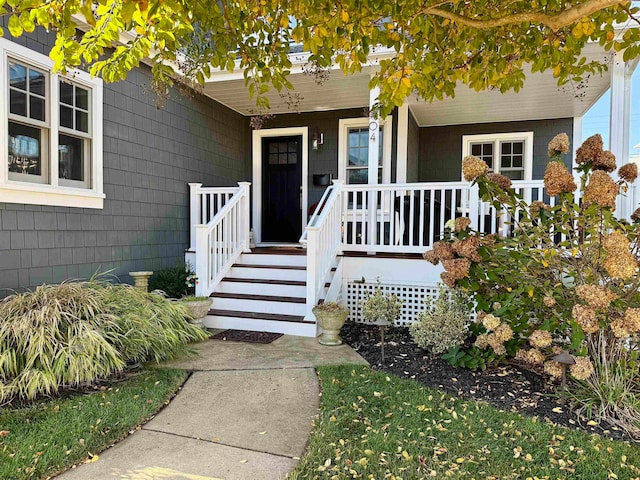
(566, 278)
(67, 335)
(445, 322)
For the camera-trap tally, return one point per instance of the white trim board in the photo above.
(256, 156)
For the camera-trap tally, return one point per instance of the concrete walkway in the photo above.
(245, 413)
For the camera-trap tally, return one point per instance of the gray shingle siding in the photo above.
(149, 157)
(440, 157)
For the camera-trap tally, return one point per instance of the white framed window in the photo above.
(51, 126)
(510, 154)
(353, 150)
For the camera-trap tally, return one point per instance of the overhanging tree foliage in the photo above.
(435, 44)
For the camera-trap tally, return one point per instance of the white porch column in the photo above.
(402, 144)
(576, 141)
(194, 213)
(374, 142)
(620, 119)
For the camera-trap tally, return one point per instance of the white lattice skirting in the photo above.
(412, 296)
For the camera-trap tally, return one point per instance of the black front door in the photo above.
(281, 181)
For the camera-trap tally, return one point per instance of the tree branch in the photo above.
(555, 22)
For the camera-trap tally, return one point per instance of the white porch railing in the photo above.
(323, 238)
(223, 233)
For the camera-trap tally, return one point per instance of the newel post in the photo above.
(245, 212)
(337, 185)
(194, 213)
(474, 206)
(202, 260)
(312, 268)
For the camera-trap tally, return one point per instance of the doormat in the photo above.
(247, 336)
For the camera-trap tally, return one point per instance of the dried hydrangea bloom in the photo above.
(488, 240)
(468, 248)
(461, 224)
(482, 341)
(601, 190)
(628, 172)
(549, 301)
(559, 145)
(503, 332)
(596, 296)
(448, 279)
(535, 207)
(553, 369)
(557, 349)
(431, 257)
(458, 268)
(532, 356)
(496, 305)
(490, 322)
(443, 251)
(496, 344)
(619, 328)
(540, 339)
(586, 318)
(605, 161)
(558, 179)
(616, 241)
(582, 369)
(635, 216)
(473, 167)
(590, 149)
(620, 265)
(500, 180)
(632, 319)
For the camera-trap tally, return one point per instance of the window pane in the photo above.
(517, 147)
(364, 156)
(17, 76)
(36, 108)
(293, 158)
(66, 93)
(353, 137)
(24, 149)
(18, 103)
(273, 158)
(514, 174)
(82, 98)
(293, 147)
(282, 147)
(357, 175)
(36, 82)
(476, 149)
(282, 158)
(273, 148)
(517, 161)
(71, 155)
(66, 117)
(353, 156)
(505, 162)
(506, 148)
(82, 121)
(364, 137)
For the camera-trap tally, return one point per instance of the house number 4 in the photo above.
(373, 127)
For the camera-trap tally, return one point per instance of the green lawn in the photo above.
(378, 426)
(49, 437)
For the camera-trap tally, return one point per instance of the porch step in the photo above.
(271, 258)
(269, 272)
(281, 288)
(259, 303)
(263, 322)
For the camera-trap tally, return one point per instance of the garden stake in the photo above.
(382, 344)
(565, 359)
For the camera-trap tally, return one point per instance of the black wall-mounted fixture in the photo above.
(317, 139)
(321, 179)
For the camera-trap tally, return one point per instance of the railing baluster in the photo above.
(422, 214)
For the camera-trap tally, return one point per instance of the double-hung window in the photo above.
(510, 154)
(51, 127)
(353, 150)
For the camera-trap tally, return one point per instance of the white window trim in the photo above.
(343, 144)
(52, 193)
(527, 137)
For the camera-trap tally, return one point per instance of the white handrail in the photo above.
(316, 212)
(204, 203)
(220, 242)
(324, 239)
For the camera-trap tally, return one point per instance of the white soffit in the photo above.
(540, 98)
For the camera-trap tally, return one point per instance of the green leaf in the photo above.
(15, 28)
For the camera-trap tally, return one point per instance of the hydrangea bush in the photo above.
(565, 279)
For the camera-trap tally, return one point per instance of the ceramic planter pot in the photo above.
(198, 309)
(331, 321)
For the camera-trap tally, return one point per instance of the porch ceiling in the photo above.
(540, 97)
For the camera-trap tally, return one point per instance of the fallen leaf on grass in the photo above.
(4, 433)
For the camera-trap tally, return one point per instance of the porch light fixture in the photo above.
(317, 139)
(565, 359)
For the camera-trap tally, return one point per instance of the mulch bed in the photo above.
(506, 386)
(247, 336)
